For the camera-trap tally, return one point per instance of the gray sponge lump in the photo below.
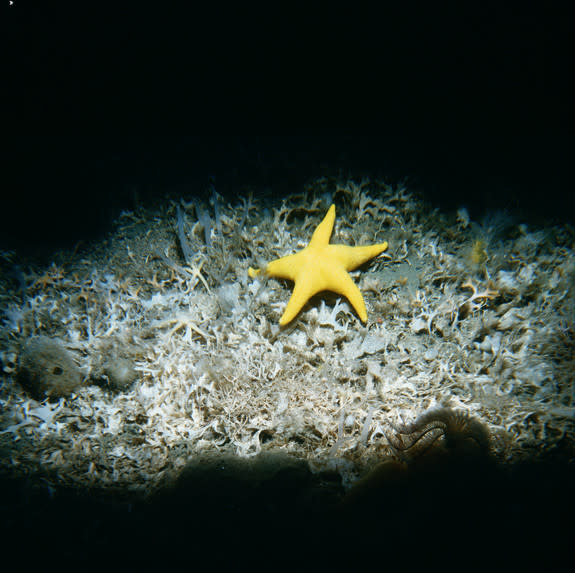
(48, 369)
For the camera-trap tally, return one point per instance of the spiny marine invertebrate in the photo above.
(457, 428)
(321, 266)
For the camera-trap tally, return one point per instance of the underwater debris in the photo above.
(476, 300)
(48, 369)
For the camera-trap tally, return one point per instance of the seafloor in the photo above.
(156, 349)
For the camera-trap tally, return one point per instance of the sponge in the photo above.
(48, 369)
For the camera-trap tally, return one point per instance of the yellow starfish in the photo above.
(321, 266)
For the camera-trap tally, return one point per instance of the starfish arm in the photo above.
(304, 289)
(346, 287)
(323, 231)
(353, 257)
(286, 267)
